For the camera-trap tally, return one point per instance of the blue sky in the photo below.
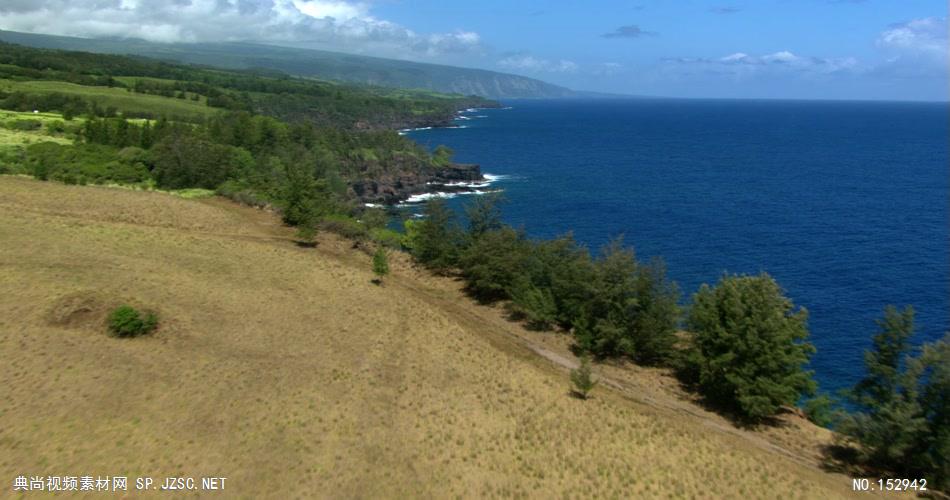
(678, 47)
(812, 49)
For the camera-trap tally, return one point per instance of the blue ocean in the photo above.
(844, 203)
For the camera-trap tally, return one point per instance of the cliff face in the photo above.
(389, 189)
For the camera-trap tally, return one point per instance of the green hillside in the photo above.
(314, 63)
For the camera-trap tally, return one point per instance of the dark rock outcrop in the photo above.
(392, 189)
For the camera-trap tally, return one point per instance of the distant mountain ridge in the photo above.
(313, 63)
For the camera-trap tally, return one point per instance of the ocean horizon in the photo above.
(843, 202)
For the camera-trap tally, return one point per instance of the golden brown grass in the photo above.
(286, 370)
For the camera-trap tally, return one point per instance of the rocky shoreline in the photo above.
(394, 189)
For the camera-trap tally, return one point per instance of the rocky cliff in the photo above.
(389, 189)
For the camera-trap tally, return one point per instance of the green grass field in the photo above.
(11, 140)
(122, 99)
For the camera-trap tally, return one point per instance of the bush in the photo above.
(819, 410)
(386, 237)
(582, 380)
(125, 321)
(307, 234)
(26, 125)
(98, 164)
(240, 193)
(345, 226)
(380, 264)
(749, 345)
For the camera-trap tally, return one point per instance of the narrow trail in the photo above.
(503, 336)
(491, 324)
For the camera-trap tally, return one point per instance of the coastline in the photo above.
(455, 179)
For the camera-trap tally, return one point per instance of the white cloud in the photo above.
(533, 64)
(742, 66)
(340, 11)
(927, 35)
(333, 24)
(915, 49)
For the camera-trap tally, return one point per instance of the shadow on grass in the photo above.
(578, 395)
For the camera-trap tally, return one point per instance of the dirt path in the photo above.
(491, 324)
(480, 316)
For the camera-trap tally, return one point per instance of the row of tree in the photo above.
(741, 343)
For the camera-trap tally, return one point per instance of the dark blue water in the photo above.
(844, 203)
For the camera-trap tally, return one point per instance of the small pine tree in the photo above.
(380, 264)
(582, 380)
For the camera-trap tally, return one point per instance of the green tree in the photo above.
(380, 264)
(566, 271)
(493, 263)
(484, 214)
(582, 380)
(902, 422)
(749, 345)
(181, 160)
(603, 327)
(535, 304)
(934, 445)
(655, 315)
(304, 198)
(436, 243)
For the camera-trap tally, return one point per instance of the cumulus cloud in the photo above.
(629, 31)
(531, 64)
(338, 24)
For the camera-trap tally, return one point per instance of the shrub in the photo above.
(26, 125)
(307, 234)
(380, 264)
(749, 344)
(582, 380)
(125, 321)
(819, 410)
(345, 226)
(386, 237)
(240, 193)
(55, 127)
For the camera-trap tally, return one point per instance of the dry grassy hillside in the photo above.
(287, 371)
